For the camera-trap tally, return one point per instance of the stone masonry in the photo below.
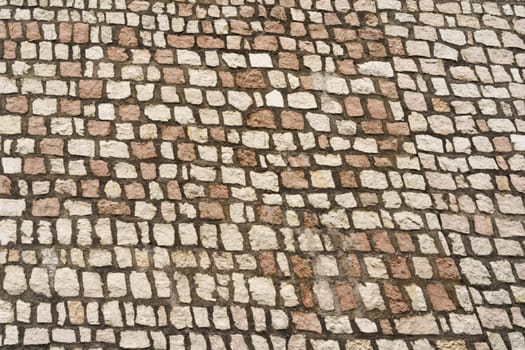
(262, 174)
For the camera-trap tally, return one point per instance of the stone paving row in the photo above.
(262, 174)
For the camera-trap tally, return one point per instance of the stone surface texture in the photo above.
(262, 174)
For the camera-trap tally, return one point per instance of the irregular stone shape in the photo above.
(14, 280)
(203, 77)
(475, 272)
(46, 207)
(134, 340)
(251, 79)
(262, 290)
(127, 37)
(10, 125)
(465, 324)
(335, 219)
(66, 282)
(493, 318)
(417, 325)
(36, 336)
(157, 112)
(262, 238)
(12, 207)
(266, 180)
(7, 312)
(106, 207)
(211, 210)
(306, 322)
(376, 69)
(262, 119)
(239, 100)
(302, 100)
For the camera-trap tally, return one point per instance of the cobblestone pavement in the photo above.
(262, 174)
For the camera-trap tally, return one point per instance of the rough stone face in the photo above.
(6, 312)
(262, 237)
(306, 322)
(375, 68)
(46, 207)
(262, 290)
(262, 119)
(417, 325)
(475, 271)
(10, 124)
(211, 210)
(321, 175)
(134, 340)
(12, 207)
(106, 207)
(66, 282)
(14, 280)
(251, 79)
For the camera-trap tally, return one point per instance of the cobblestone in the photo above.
(277, 174)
